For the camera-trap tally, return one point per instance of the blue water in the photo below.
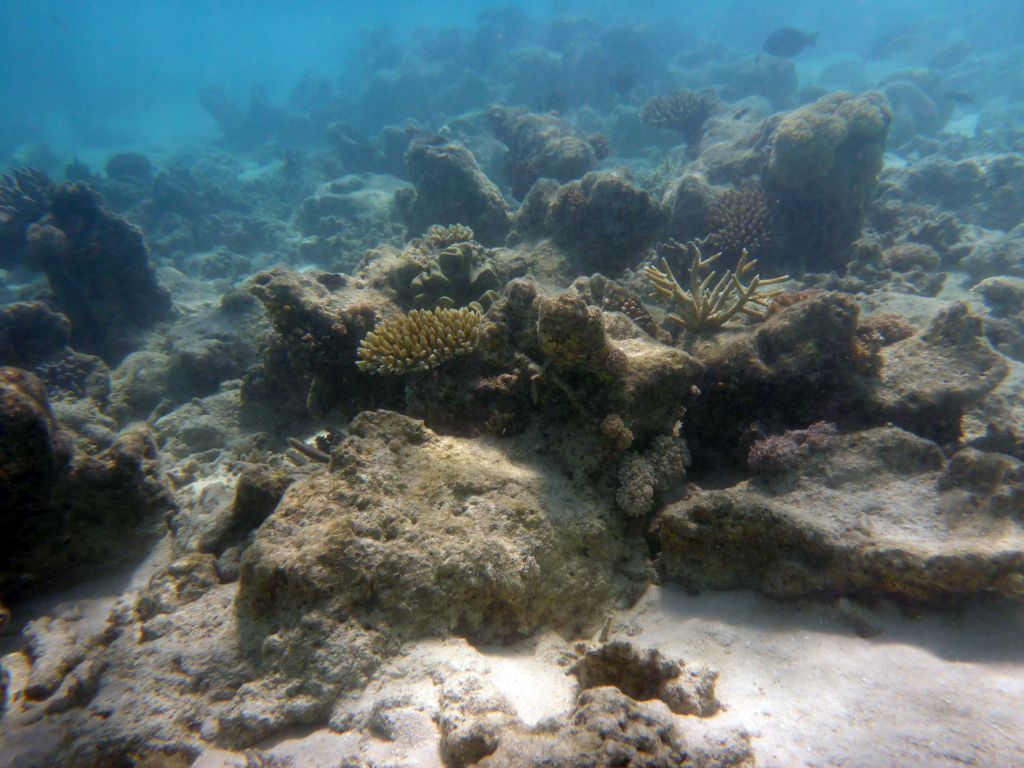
(85, 78)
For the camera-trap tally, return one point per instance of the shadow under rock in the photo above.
(988, 631)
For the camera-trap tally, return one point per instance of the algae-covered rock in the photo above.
(605, 221)
(929, 380)
(880, 513)
(450, 189)
(539, 146)
(487, 547)
(821, 163)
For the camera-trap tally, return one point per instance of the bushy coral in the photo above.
(740, 220)
(681, 110)
(643, 475)
(442, 237)
(418, 341)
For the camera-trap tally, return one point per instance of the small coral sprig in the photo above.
(709, 303)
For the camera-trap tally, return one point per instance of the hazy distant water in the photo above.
(90, 76)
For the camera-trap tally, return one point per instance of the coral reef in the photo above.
(645, 475)
(98, 268)
(779, 453)
(708, 304)
(347, 216)
(441, 237)
(419, 341)
(24, 198)
(539, 146)
(68, 513)
(481, 590)
(739, 220)
(687, 689)
(31, 332)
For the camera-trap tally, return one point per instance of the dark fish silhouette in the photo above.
(959, 97)
(788, 42)
(951, 55)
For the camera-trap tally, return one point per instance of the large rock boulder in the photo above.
(488, 548)
(821, 163)
(451, 189)
(880, 513)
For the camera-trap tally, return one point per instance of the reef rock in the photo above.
(320, 318)
(98, 267)
(31, 332)
(880, 513)
(451, 189)
(608, 728)
(539, 146)
(346, 217)
(821, 163)
(605, 221)
(930, 379)
(66, 515)
(487, 547)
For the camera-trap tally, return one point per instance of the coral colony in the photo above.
(535, 389)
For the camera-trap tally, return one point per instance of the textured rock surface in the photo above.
(489, 548)
(822, 161)
(929, 380)
(607, 728)
(882, 513)
(605, 221)
(451, 189)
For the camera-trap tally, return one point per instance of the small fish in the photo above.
(892, 45)
(959, 97)
(951, 55)
(786, 42)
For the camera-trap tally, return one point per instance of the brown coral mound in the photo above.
(681, 110)
(740, 220)
(419, 341)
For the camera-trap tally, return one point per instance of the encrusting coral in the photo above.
(460, 276)
(710, 304)
(419, 341)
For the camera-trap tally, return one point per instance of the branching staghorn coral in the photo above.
(419, 341)
(707, 303)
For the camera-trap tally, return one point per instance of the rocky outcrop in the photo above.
(880, 513)
(451, 189)
(492, 550)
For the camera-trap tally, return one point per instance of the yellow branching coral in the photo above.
(707, 303)
(419, 341)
